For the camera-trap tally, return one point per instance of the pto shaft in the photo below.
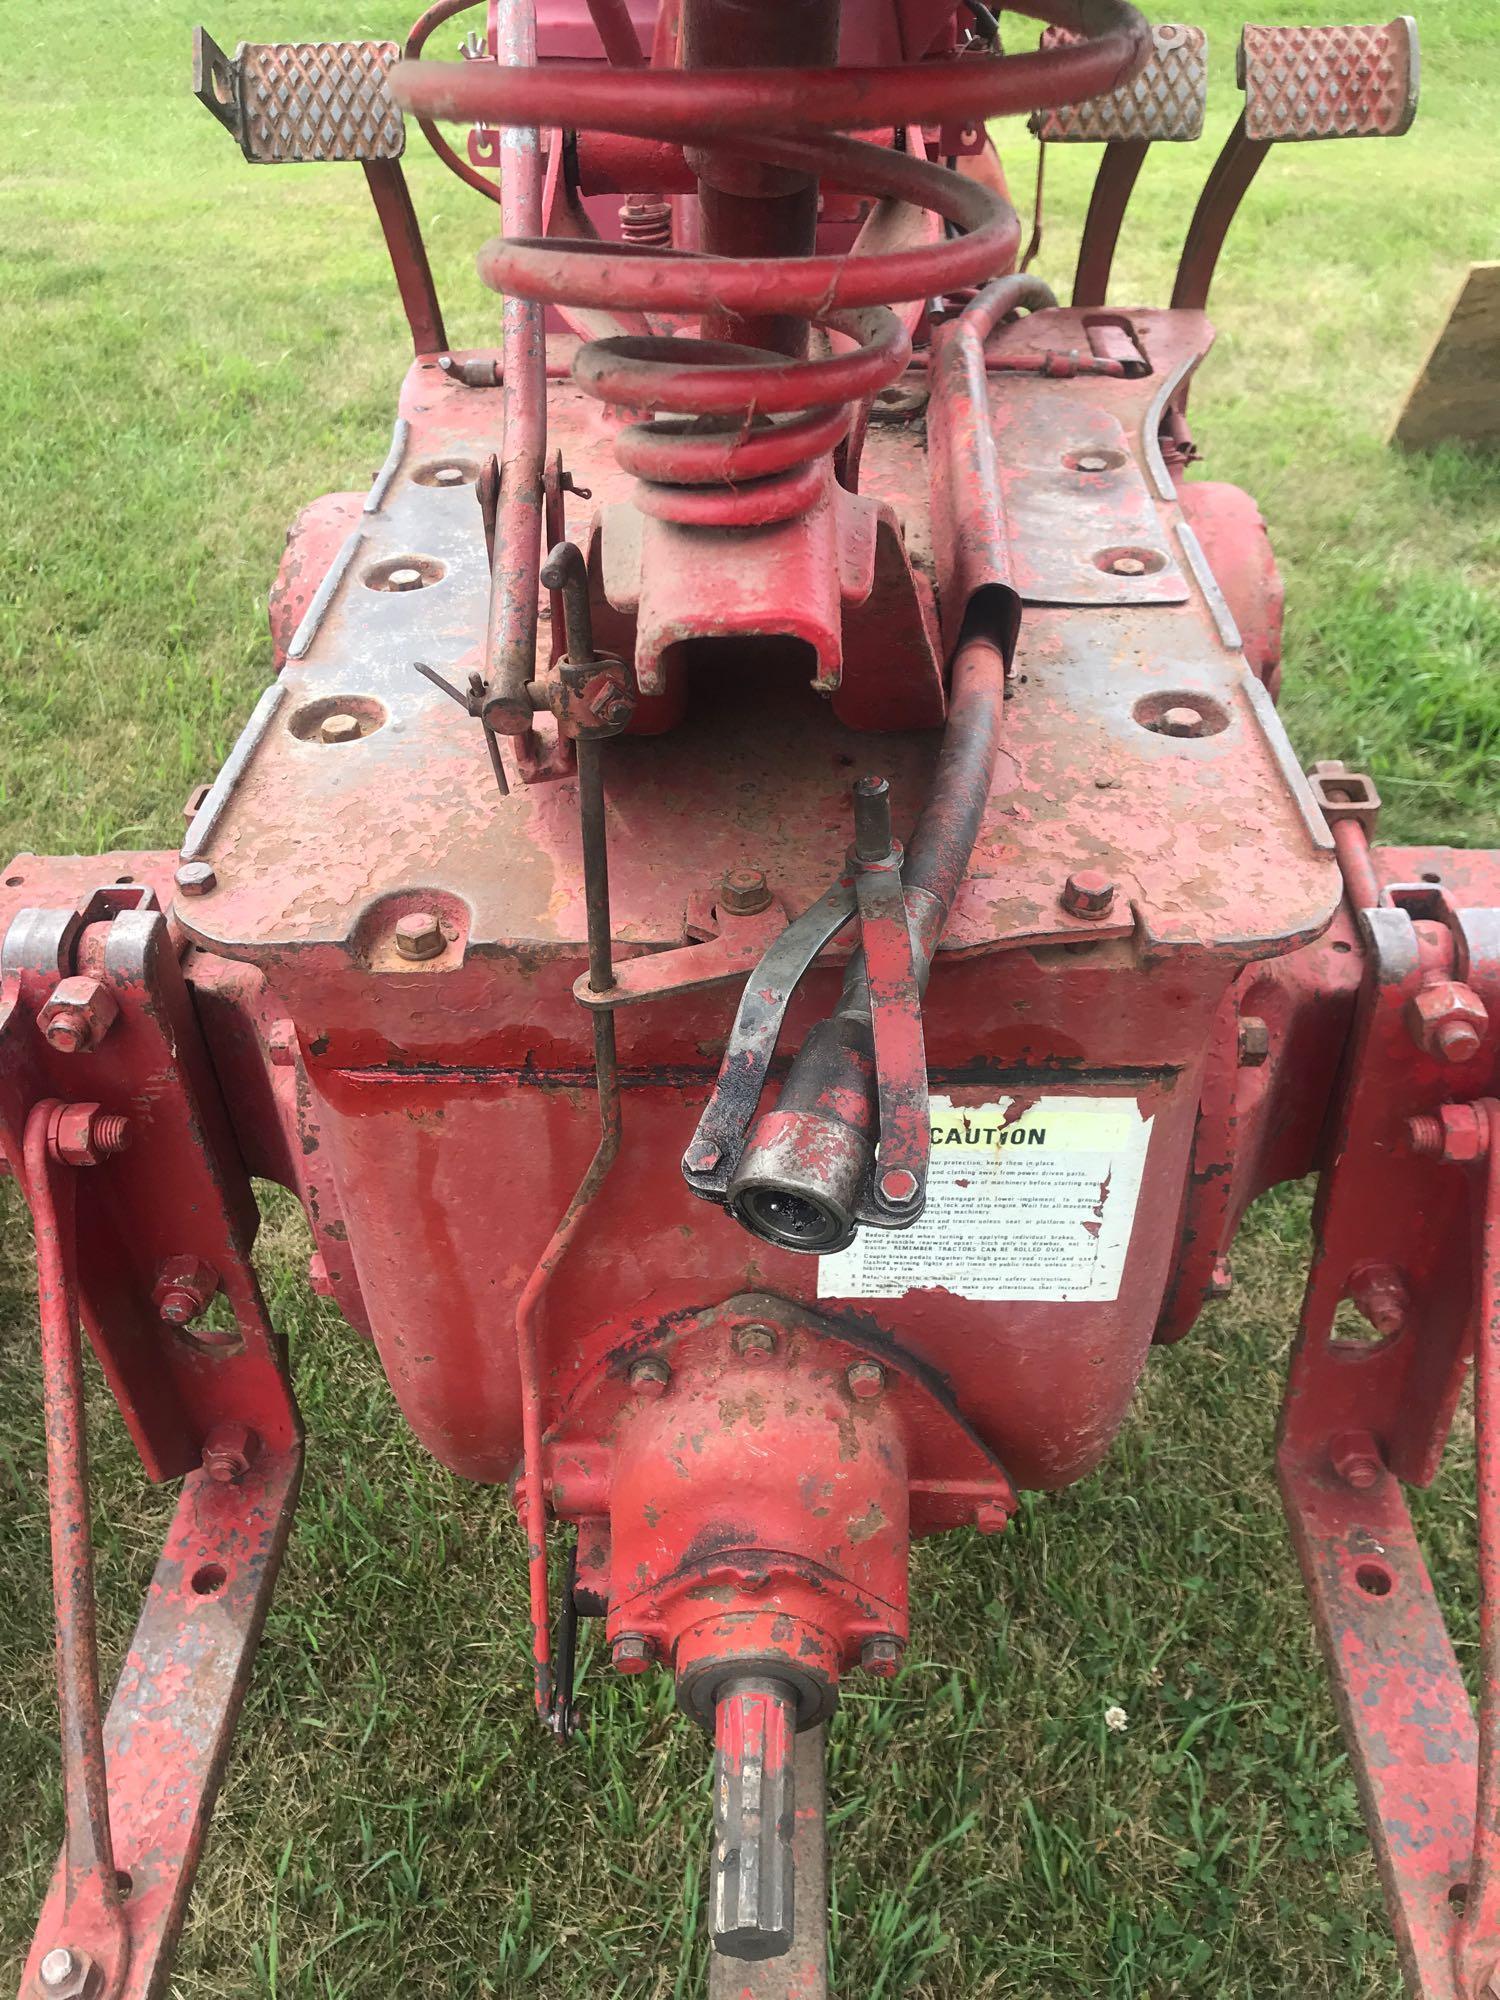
(755, 1724)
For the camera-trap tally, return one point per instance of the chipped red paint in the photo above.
(951, 543)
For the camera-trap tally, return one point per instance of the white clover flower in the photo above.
(1115, 1718)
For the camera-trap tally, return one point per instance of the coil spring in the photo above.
(735, 436)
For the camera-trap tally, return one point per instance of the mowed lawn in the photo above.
(189, 348)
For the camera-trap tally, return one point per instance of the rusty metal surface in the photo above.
(327, 843)
(1354, 82)
(170, 1724)
(1163, 101)
(802, 1973)
(302, 101)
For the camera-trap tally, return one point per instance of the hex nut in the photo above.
(1180, 721)
(756, 1342)
(1253, 1041)
(1356, 1458)
(419, 934)
(631, 1653)
(649, 1376)
(195, 878)
(866, 1380)
(340, 727)
(1378, 1292)
(229, 1451)
(183, 1289)
(65, 1973)
(1088, 892)
(78, 1015)
(881, 1655)
(991, 1518)
(744, 892)
(1459, 1133)
(1448, 1021)
(82, 1135)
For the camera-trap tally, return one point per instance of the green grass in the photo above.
(192, 348)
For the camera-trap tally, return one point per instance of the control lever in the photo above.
(809, 1173)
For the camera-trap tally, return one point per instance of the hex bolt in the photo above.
(1253, 1041)
(755, 1340)
(340, 727)
(881, 1655)
(196, 878)
(872, 818)
(1459, 1133)
(419, 934)
(631, 1653)
(184, 1286)
(1127, 566)
(229, 1452)
(990, 1518)
(450, 475)
(77, 1015)
(703, 1158)
(1092, 462)
(81, 1135)
(898, 1187)
(649, 1376)
(1088, 892)
(1221, 1279)
(1180, 721)
(1357, 1459)
(65, 1974)
(866, 1380)
(744, 892)
(1448, 1020)
(405, 578)
(1379, 1293)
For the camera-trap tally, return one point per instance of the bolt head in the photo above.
(703, 1158)
(744, 892)
(419, 934)
(65, 1973)
(899, 1187)
(195, 878)
(340, 727)
(649, 1376)
(1091, 462)
(1379, 1292)
(184, 1287)
(450, 475)
(1448, 1020)
(881, 1655)
(1128, 566)
(404, 578)
(1180, 721)
(1088, 892)
(1221, 1282)
(631, 1653)
(866, 1380)
(991, 1518)
(1254, 1041)
(755, 1342)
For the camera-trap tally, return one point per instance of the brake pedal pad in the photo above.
(1165, 101)
(1329, 83)
(301, 101)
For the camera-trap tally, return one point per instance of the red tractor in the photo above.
(769, 919)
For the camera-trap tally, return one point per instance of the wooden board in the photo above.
(1457, 390)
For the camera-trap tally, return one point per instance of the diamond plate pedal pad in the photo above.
(1164, 102)
(1329, 83)
(296, 101)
